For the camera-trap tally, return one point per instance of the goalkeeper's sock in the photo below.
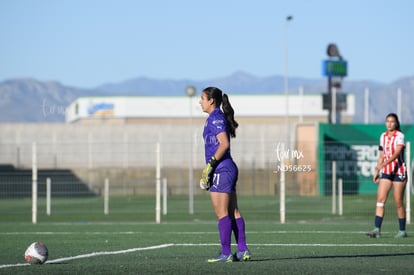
(402, 223)
(241, 238)
(235, 230)
(378, 221)
(224, 227)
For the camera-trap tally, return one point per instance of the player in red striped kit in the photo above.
(390, 172)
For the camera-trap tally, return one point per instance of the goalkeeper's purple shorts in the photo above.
(225, 177)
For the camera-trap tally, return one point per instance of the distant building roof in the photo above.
(179, 107)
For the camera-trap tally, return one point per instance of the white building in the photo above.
(297, 108)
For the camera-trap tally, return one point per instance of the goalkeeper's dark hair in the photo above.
(222, 100)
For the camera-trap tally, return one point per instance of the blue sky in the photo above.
(86, 43)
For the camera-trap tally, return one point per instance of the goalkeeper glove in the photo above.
(207, 174)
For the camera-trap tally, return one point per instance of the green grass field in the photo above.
(82, 240)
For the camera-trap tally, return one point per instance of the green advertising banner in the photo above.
(354, 148)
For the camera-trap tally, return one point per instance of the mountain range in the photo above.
(31, 100)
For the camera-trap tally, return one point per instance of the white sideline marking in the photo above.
(12, 265)
(94, 254)
(304, 244)
(182, 232)
(342, 245)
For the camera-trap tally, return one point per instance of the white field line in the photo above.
(94, 254)
(183, 232)
(11, 265)
(306, 245)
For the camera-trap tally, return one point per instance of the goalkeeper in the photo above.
(220, 174)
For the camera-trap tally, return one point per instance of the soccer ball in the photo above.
(36, 253)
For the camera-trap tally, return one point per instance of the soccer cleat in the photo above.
(401, 234)
(374, 233)
(221, 258)
(242, 255)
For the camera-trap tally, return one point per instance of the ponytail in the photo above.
(229, 114)
(221, 99)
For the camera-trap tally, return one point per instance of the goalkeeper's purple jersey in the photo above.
(215, 124)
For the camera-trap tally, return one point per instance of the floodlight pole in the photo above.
(282, 180)
(330, 69)
(366, 106)
(191, 92)
(286, 78)
(330, 120)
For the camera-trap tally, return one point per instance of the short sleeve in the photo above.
(218, 125)
(381, 143)
(400, 140)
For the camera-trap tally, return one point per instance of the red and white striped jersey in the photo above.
(389, 145)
